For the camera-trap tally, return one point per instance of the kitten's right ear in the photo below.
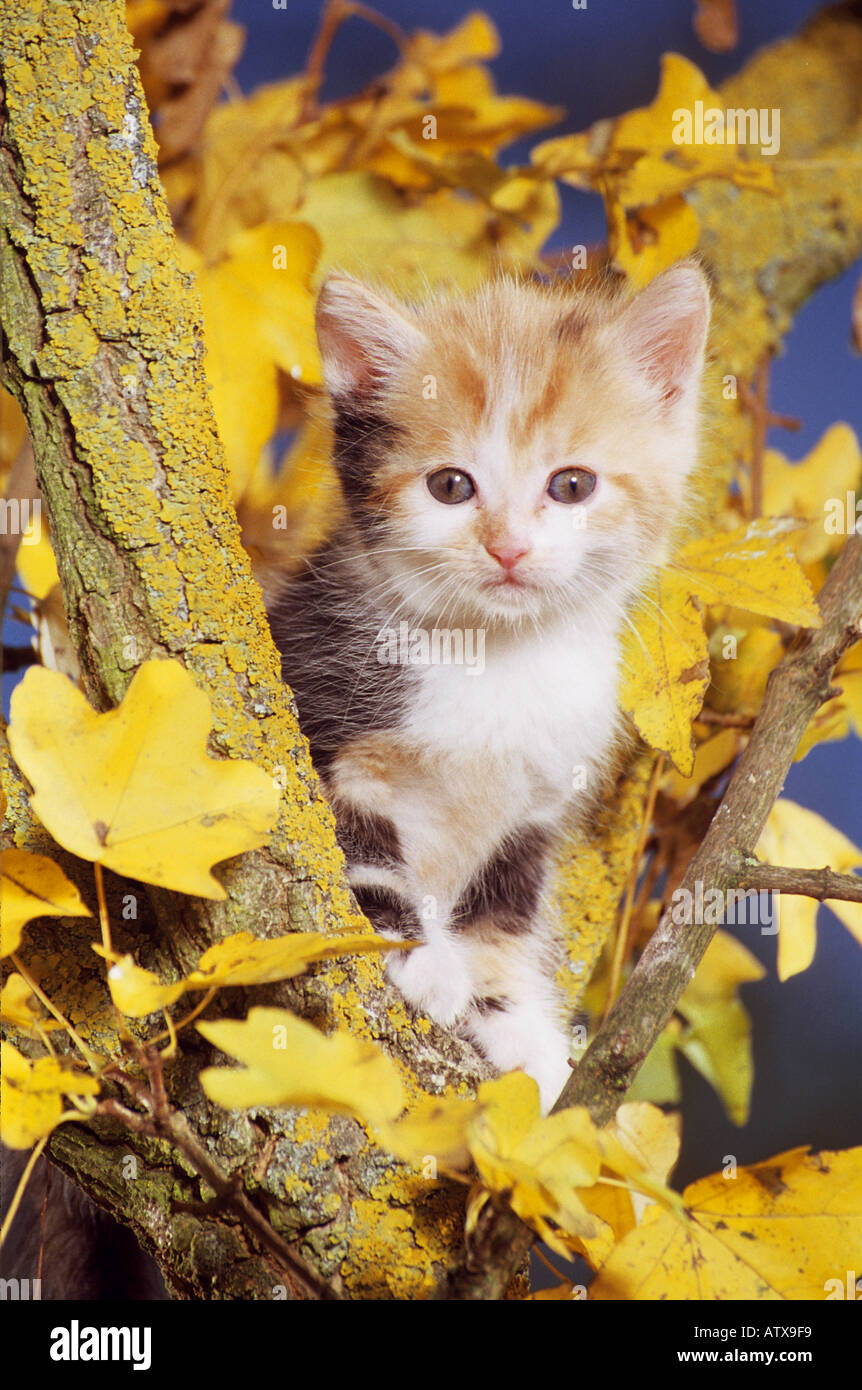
(362, 336)
(665, 328)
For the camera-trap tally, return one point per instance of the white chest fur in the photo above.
(507, 744)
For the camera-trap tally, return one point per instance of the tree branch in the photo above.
(821, 884)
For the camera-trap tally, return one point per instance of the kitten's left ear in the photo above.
(362, 336)
(665, 330)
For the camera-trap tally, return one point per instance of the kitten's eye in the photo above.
(450, 485)
(571, 485)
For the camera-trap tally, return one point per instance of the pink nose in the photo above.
(507, 553)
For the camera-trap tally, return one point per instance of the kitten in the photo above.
(512, 464)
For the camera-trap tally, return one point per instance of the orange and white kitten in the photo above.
(512, 464)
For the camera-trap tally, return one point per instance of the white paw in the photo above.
(526, 1039)
(432, 978)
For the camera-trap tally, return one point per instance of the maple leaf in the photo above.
(717, 1040)
(645, 242)
(538, 1162)
(258, 310)
(32, 1094)
(815, 488)
(779, 1229)
(437, 1127)
(738, 680)
(116, 788)
(642, 1143)
(665, 668)
(795, 837)
(241, 959)
(288, 1062)
(20, 1008)
(32, 885)
(752, 567)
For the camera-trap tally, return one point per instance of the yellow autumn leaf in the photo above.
(835, 719)
(725, 966)
(635, 159)
(665, 669)
(717, 1039)
(13, 431)
(474, 37)
(258, 310)
(650, 1139)
(538, 1162)
(136, 991)
(718, 1045)
(20, 1007)
(648, 241)
(248, 172)
(436, 1128)
(31, 885)
(486, 120)
(367, 231)
(36, 566)
(816, 488)
(738, 681)
(32, 1094)
(134, 789)
(667, 167)
(753, 568)
(288, 1062)
(777, 1230)
(712, 756)
(796, 838)
(244, 959)
(241, 959)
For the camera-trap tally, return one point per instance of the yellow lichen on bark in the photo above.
(119, 342)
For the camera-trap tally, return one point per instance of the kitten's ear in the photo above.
(665, 330)
(362, 336)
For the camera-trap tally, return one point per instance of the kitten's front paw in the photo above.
(432, 978)
(525, 1039)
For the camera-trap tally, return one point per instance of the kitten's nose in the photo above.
(507, 553)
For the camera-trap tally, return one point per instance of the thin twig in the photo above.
(90, 1057)
(166, 1123)
(822, 884)
(22, 1184)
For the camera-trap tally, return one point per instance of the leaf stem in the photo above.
(90, 1058)
(22, 1184)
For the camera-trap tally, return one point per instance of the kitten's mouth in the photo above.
(510, 582)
